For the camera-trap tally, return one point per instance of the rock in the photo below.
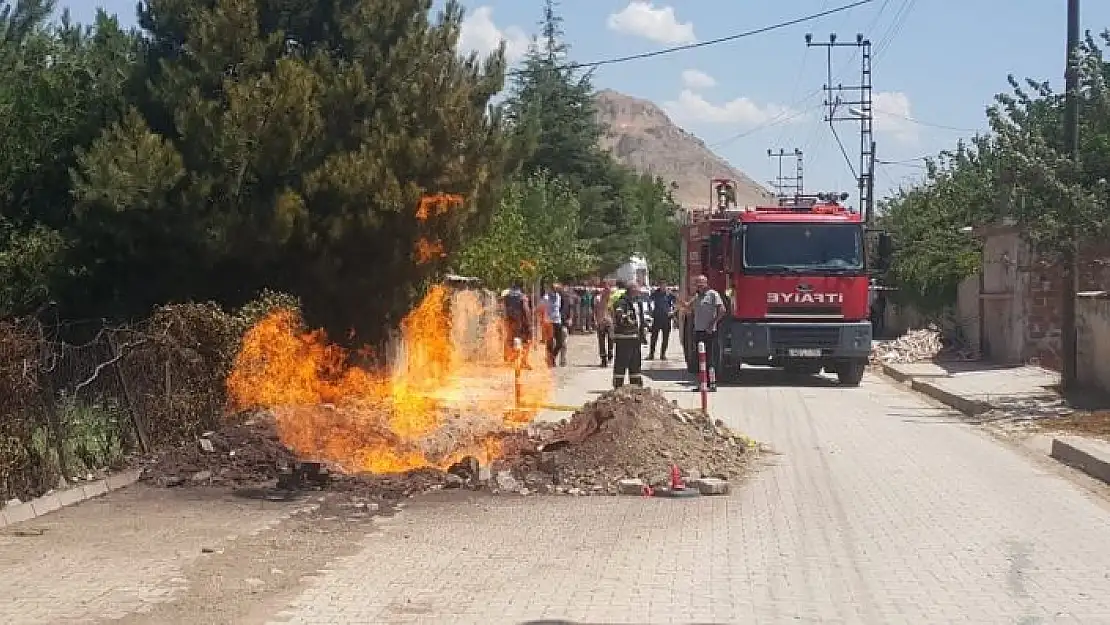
(202, 476)
(711, 486)
(169, 481)
(574, 491)
(631, 486)
(537, 479)
(524, 491)
(14, 501)
(206, 445)
(506, 482)
(693, 475)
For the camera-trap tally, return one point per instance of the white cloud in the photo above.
(480, 34)
(893, 116)
(692, 107)
(643, 19)
(697, 79)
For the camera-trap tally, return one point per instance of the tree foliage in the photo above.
(229, 146)
(1021, 171)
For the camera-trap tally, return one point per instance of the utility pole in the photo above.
(856, 107)
(1069, 366)
(783, 183)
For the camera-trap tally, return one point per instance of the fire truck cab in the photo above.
(794, 278)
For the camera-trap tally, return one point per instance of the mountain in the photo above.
(641, 136)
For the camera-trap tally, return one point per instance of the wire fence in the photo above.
(69, 410)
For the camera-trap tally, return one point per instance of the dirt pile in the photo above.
(246, 452)
(627, 433)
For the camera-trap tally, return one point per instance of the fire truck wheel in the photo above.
(851, 374)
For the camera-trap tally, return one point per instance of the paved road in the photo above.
(881, 509)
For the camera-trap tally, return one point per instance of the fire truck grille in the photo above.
(801, 311)
(805, 336)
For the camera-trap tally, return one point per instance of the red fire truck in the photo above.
(794, 278)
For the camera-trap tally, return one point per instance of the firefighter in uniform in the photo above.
(629, 333)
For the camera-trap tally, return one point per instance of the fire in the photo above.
(448, 392)
(426, 251)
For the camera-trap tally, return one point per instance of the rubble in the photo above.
(625, 441)
(914, 346)
(628, 439)
(921, 345)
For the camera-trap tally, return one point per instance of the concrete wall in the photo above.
(1092, 320)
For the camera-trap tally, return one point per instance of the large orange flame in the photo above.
(448, 392)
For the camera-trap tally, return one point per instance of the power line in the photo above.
(782, 118)
(712, 42)
(928, 124)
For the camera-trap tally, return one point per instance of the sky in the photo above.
(937, 65)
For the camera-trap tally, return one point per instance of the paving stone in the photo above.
(880, 509)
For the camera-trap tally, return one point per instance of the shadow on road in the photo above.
(749, 377)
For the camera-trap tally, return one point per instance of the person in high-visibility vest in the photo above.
(629, 334)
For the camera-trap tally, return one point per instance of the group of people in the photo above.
(623, 315)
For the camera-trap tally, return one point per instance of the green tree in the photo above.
(287, 144)
(1060, 203)
(533, 234)
(556, 129)
(59, 85)
(933, 252)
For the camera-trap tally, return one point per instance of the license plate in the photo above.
(804, 353)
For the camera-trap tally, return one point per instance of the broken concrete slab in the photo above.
(711, 486)
(1089, 456)
(631, 486)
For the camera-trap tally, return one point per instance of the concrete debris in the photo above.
(710, 486)
(914, 346)
(922, 345)
(631, 486)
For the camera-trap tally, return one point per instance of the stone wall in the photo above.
(1092, 316)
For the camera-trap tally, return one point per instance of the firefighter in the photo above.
(629, 333)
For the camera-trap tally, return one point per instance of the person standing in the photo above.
(553, 323)
(518, 322)
(629, 334)
(662, 310)
(568, 311)
(603, 324)
(709, 309)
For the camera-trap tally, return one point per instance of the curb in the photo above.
(895, 374)
(1090, 457)
(46, 504)
(969, 407)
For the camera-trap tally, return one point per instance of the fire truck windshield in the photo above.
(825, 248)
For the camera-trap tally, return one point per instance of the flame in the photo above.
(437, 204)
(426, 251)
(448, 392)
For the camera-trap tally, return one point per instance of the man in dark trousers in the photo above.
(662, 310)
(708, 308)
(518, 322)
(629, 333)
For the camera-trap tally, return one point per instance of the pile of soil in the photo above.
(246, 452)
(626, 433)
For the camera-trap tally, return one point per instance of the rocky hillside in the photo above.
(641, 136)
